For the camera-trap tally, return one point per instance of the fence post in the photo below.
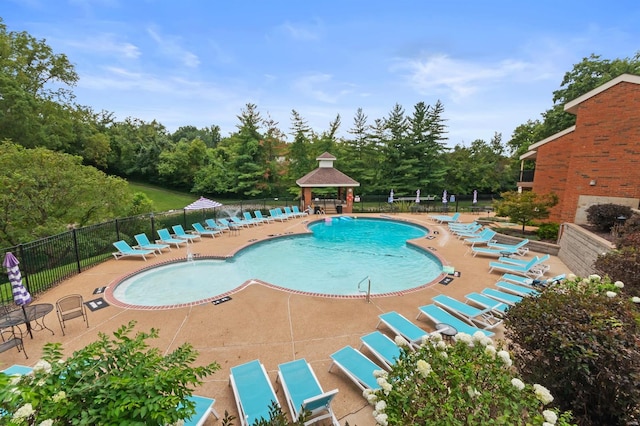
(153, 226)
(117, 230)
(77, 250)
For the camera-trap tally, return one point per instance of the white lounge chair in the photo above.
(403, 327)
(483, 318)
(357, 367)
(253, 392)
(125, 250)
(145, 244)
(439, 316)
(508, 298)
(382, 347)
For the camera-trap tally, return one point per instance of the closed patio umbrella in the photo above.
(475, 196)
(391, 196)
(444, 196)
(21, 295)
(418, 196)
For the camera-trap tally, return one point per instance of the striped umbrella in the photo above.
(21, 295)
(203, 203)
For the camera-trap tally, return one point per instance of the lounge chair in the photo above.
(517, 279)
(501, 296)
(485, 237)
(166, 238)
(212, 225)
(538, 265)
(297, 211)
(439, 316)
(527, 270)
(518, 249)
(288, 212)
(204, 407)
(253, 392)
(486, 302)
(200, 230)
(240, 222)
(17, 370)
(382, 348)
(446, 218)
(145, 244)
(277, 214)
(483, 318)
(125, 250)
(258, 214)
(403, 327)
(180, 233)
(463, 226)
(357, 367)
(253, 220)
(516, 289)
(490, 251)
(230, 225)
(303, 392)
(469, 229)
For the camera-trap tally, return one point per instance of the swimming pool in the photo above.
(332, 260)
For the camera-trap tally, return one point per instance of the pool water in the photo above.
(332, 260)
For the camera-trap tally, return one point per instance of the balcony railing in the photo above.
(526, 175)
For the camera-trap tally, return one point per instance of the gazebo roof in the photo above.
(326, 175)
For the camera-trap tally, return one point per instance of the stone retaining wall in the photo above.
(580, 248)
(537, 246)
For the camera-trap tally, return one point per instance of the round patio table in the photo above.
(447, 331)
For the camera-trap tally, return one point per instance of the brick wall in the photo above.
(604, 147)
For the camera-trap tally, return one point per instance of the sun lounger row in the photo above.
(445, 218)
(254, 393)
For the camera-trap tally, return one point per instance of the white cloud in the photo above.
(301, 31)
(106, 44)
(171, 48)
(321, 87)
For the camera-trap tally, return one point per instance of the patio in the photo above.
(264, 322)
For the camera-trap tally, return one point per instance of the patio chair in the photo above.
(231, 225)
(297, 211)
(303, 392)
(277, 214)
(516, 289)
(252, 391)
(517, 279)
(485, 237)
(70, 307)
(463, 226)
(439, 316)
(17, 370)
(212, 225)
(489, 251)
(527, 270)
(180, 233)
(538, 265)
(258, 214)
(446, 219)
(518, 249)
(507, 298)
(382, 347)
(204, 407)
(357, 367)
(482, 318)
(200, 230)
(403, 327)
(145, 244)
(254, 220)
(291, 213)
(486, 302)
(125, 250)
(166, 238)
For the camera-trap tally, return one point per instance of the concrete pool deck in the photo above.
(264, 322)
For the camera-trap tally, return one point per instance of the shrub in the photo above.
(548, 231)
(604, 216)
(580, 338)
(629, 233)
(469, 382)
(622, 265)
(119, 381)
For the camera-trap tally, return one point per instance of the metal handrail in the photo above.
(368, 287)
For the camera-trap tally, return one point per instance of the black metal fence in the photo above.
(50, 260)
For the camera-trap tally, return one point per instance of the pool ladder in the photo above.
(368, 291)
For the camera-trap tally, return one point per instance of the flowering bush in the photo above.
(469, 382)
(120, 381)
(580, 337)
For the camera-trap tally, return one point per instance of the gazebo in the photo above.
(326, 176)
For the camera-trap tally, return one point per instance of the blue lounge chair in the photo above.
(277, 214)
(486, 302)
(297, 211)
(517, 279)
(482, 318)
(497, 252)
(180, 233)
(516, 289)
(253, 220)
(518, 249)
(258, 214)
(200, 230)
(538, 265)
(17, 370)
(166, 238)
(357, 367)
(446, 218)
(485, 237)
(286, 212)
(501, 296)
(204, 407)
(303, 392)
(230, 225)
(253, 392)
(211, 224)
(145, 244)
(125, 250)
(403, 327)
(382, 348)
(527, 270)
(440, 316)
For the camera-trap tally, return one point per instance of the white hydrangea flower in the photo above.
(473, 392)
(436, 336)
(386, 387)
(517, 383)
(490, 350)
(47, 422)
(441, 345)
(542, 394)
(547, 424)
(42, 365)
(444, 354)
(381, 406)
(619, 284)
(60, 396)
(465, 338)
(505, 357)
(381, 419)
(550, 416)
(15, 380)
(23, 412)
(401, 341)
(635, 299)
(595, 278)
(370, 396)
(478, 336)
(380, 373)
(611, 294)
(571, 277)
(424, 368)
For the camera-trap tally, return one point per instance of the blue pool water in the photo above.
(332, 260)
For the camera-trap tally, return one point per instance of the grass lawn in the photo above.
(164, 199)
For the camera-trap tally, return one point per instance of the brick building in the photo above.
(597, 160)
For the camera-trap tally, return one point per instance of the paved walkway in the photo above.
(262, 322)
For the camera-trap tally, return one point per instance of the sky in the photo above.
(493, 64)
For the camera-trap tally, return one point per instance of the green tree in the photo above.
(247, 153)
(525, 206)
(110, 381)
(301, 160)
(44, 192)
